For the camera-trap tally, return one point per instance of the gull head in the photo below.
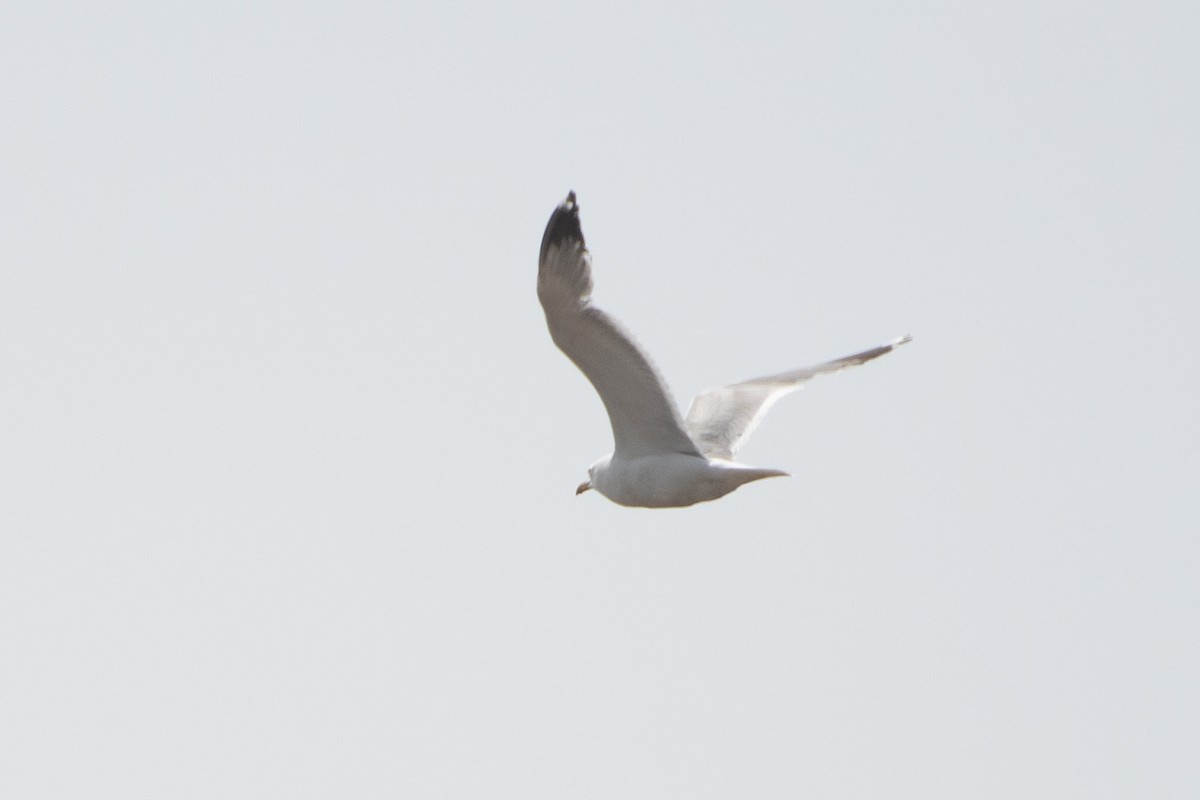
(595, 476)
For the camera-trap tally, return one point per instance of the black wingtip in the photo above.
(563, 225)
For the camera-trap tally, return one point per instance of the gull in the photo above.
(659, 459)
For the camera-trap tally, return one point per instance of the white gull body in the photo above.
(659, 459)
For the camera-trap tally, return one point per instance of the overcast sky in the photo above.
(287, 457)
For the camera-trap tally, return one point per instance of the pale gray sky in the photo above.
(288, 457)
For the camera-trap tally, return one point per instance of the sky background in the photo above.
(287, 457)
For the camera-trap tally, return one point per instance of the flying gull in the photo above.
(659, 459)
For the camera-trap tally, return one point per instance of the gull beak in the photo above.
(583, 487)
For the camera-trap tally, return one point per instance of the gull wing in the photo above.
(720, 420)
(644, 418)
